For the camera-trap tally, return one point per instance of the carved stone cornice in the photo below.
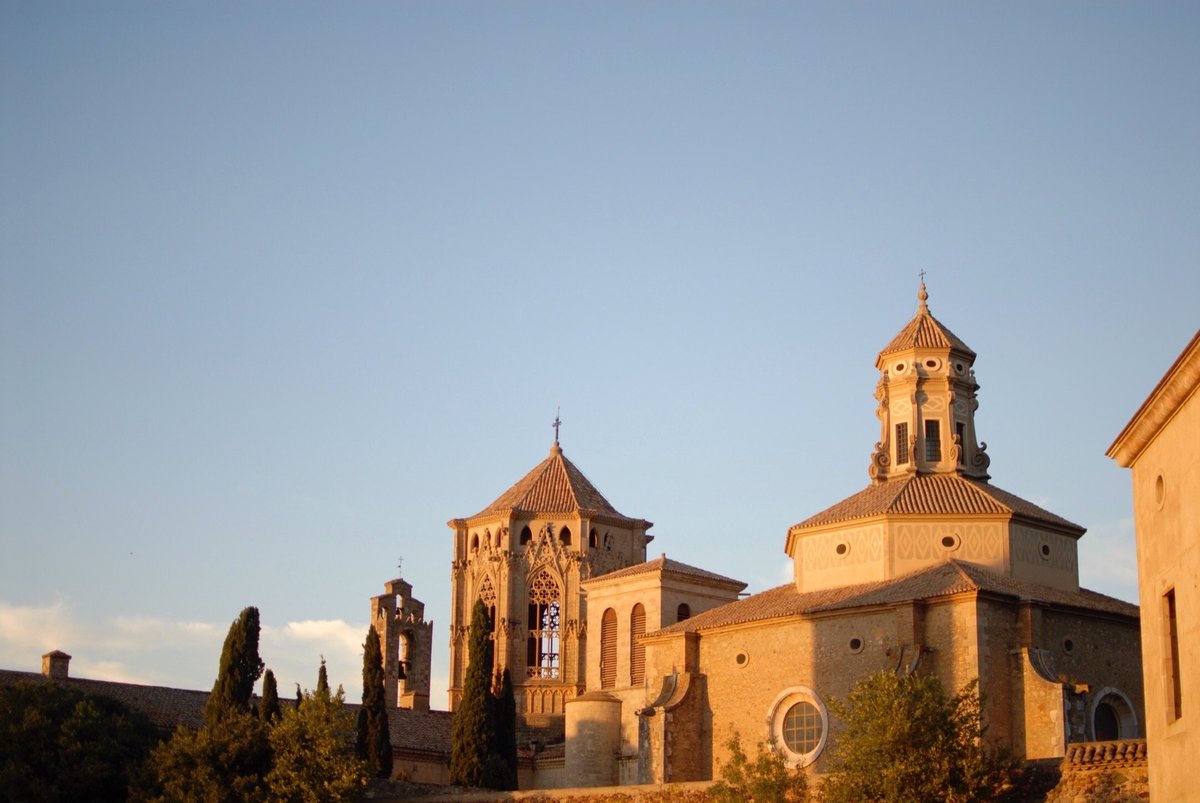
(1176, 386)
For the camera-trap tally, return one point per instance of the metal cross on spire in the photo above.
(557, 423)
(400, 566)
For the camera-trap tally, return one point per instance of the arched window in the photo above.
(608, 649)
(1112, 716)
(564, 535)
(406, 655)
(637, 650)
(1107, 724)
(541, 649)
(526, 535)
(475, 542)
(684, 611)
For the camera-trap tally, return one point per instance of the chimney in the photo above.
(54, 665)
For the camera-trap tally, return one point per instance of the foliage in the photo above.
(374, 742)
(240, 667)
(220, 764)
(905, 740)
(229, 757)
(473, 731)
(269, 709)
(59, 743)
(313, 762)
(506, 731)
(765, 779)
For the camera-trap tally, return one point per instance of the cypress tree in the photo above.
(240, 668)
(268, 709)
(473, 731)
(322, 690)
(506, 730)
(374, 743)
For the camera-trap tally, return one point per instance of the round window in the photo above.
(842, 549)
(1044, 550)
(856, 645)
(802, 728)
(799, 725)
(951, 542)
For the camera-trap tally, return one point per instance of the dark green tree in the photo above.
(374, 741)
(322, 689)
(240, 667)
(59, 743)
(506, 730)
(765, 779)
(905, 740)
(269, 709)
(473, 731)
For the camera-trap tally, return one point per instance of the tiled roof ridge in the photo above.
(940, 580)
(1105, 755)
(667, 565)
(78, 679)
(555, 485)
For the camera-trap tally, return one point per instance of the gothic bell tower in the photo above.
(524, 556)
(926, 394)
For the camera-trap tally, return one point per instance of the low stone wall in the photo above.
(694, 792)
(1103, 772)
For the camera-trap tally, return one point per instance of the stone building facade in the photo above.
(930, 568)
(1161, 444)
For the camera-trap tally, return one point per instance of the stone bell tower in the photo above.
(406, 640)
(524, 556)
(927, 404)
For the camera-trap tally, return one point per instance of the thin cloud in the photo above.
(153, 650)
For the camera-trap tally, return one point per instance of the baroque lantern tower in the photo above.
(525, 556)
(929, 500)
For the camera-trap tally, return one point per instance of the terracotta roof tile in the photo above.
(668, 566)
(554, 485)
(165, 707)
(934, 493)
(925, 331)
(951, 577)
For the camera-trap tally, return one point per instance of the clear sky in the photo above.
(286, 286)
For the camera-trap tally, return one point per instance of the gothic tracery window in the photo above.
(487, 595)
(542, 646)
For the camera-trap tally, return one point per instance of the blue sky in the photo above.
(285, 287)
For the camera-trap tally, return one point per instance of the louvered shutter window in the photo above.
(608, 649)
(637, 650)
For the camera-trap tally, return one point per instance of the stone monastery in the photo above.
(637, 671)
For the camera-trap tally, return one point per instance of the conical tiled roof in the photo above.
(554, 485)
(925, 332)
(938, 494)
